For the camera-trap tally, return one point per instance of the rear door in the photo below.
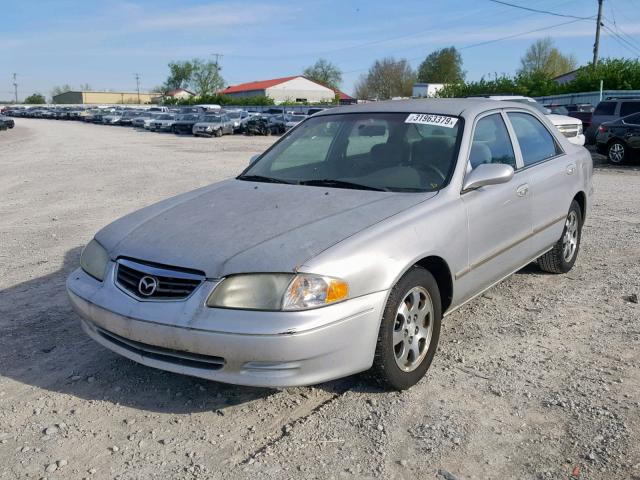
(551, 175)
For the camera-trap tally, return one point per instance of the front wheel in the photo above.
(617, 152)
(409, 331)
(562, 256)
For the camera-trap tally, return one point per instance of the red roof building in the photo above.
(288, 89)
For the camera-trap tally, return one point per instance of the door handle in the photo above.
(522, 190)
(571, 169)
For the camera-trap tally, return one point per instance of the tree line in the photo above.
(390, 77)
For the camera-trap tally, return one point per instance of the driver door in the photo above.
(498, 216)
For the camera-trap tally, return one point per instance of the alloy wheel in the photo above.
(413, 329)
(570, 238)
(616, 153)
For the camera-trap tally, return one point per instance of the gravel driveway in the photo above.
(537, 378)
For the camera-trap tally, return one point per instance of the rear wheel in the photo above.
(409, 331)
(562, 256)
(617, 152)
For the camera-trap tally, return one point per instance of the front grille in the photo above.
(177, 357)
(160, 283)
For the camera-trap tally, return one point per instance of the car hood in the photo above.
(563, 119)
(237, 226)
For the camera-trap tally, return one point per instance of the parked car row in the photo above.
(202, 121)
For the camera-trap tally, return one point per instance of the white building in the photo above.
(426, 89)
(286, 89)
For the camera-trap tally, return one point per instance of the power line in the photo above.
(535, 10)
(500, 39)
(622, 41)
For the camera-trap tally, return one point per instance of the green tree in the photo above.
(205, 78)
(442, 66)
(543, 56)
(324, 72)
(35, 99)
(180, 74)
(386, 78)
(57, 90)
(615, 73)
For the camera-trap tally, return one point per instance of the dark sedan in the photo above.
(185, 123)
(619, 139)
(6, 123)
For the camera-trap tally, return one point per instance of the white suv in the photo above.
(568, 126)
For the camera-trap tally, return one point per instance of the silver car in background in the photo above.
(341, 247)
(213, 125)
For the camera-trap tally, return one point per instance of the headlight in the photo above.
(209, 128)
(94, 260)
(580, 129)
(277, 291)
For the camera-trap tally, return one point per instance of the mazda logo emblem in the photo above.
(147, 286)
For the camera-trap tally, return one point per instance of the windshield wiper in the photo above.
(327, 182)
(261, 178)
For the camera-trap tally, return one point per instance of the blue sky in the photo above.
(103, 43)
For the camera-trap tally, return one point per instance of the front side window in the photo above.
(373, 151)
(536, 142)
(605, 108)
(491, 142)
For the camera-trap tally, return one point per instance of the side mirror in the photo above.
(487, 174)
(253, 159)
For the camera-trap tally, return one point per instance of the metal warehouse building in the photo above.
(286, 89)
(99, 98)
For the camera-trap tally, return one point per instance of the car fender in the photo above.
(375, 259)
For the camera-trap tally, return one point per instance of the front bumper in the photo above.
(577, 140)
(269, 349)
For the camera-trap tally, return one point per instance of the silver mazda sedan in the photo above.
(341, 247)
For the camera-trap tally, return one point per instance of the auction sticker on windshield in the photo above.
(429, 119)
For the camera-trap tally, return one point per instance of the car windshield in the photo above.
(189, 118)
(297, 118)
(234, 114)
(165, 116)
(212, 119)
(399, 152)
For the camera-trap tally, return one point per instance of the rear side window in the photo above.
(605, 108)
(627, 108)
(536, 143)
(633, 119)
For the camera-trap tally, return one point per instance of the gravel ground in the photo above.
(537, 378)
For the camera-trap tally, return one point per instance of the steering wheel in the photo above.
(435, 170)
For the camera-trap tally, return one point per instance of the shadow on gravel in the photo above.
(42, 344)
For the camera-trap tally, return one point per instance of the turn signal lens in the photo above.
(311, 291)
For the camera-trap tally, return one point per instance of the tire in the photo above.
(218, 132)
(563, 255)
(617, 152)
(406, 346)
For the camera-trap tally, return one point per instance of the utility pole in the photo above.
(218, 60)
(138, 86)
(596, 45)
(15, 86)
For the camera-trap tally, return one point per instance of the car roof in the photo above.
(466, 107)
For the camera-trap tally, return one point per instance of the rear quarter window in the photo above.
(605, 108)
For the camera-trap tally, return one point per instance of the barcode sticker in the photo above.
(429, 119)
